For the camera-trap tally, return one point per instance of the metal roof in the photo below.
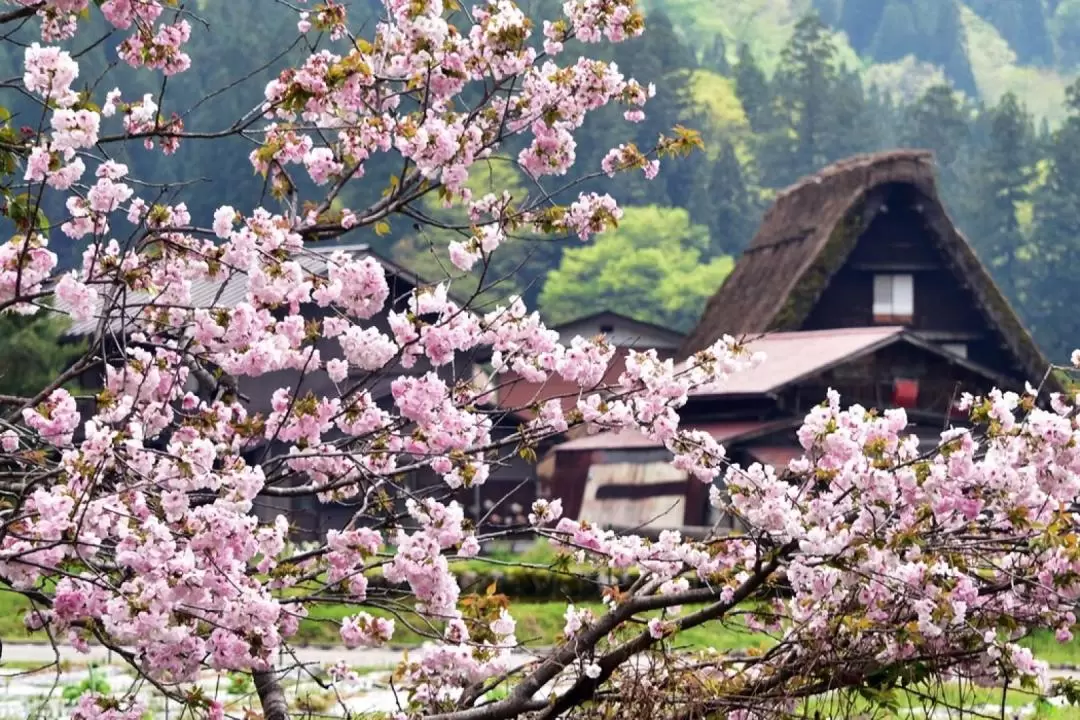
(778, 456)
(626, 323)
(790, 356)
(232, 290)
(632, 439)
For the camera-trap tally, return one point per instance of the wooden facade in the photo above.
(900, 242)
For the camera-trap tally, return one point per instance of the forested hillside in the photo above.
(984, 48)
(776, 89)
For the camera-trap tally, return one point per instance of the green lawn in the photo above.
(538, 624)
(949, 699)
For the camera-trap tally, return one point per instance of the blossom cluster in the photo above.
(153, 43)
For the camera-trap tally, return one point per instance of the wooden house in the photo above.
(504, 498)
(625, 333)
(514, 393)
(857, 280)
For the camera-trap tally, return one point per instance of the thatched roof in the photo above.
(807, 235)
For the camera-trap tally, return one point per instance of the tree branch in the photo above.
(271, 695)
(19, 14)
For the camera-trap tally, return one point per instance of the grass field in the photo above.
(538, 624)
(946, 701)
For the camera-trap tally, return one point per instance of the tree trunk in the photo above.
(271, 696)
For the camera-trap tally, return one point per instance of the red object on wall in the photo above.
(905, 392)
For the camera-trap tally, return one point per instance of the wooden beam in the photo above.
(895, 266)
(947, 335)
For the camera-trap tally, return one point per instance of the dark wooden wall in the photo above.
(900, 241)
(869, 381)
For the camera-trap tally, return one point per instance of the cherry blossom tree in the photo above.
(127, 516)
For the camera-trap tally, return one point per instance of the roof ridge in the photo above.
(852, 163)
(857, 330)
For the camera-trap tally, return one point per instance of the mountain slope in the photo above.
(984, 47)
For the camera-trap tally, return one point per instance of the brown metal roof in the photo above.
(792, 355)
(633, 440)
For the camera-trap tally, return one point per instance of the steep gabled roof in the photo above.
(808, 233)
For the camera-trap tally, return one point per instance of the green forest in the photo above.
(776, 89)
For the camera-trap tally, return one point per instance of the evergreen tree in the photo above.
(1023, 24)
(940, 122)
(1051, 312)
(941, 42)
(715, 56)
(1001, 185)
(860, 19)
(937, 121)
(806, 81)
(930, 30)
(686, 180)
(660, 55)
(733, 215)
(852, 129)
(884, 114)
(1044, 140)
(754, 91)
(893, 35)
(655, 53)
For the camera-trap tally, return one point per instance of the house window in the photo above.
(958, 349)
(607, 329)
(894, 298)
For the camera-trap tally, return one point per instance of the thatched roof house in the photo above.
(857, 281)
(869, 213)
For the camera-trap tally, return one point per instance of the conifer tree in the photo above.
(1051, 312)
(754, 91)
(806, 80)
(1001, 185)
(715, 56)
(733, 215)
(937, 121)
(852, 128)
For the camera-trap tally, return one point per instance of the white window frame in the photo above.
(894, 296)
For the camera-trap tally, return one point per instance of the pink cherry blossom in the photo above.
(147, 518)
(364, 630)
